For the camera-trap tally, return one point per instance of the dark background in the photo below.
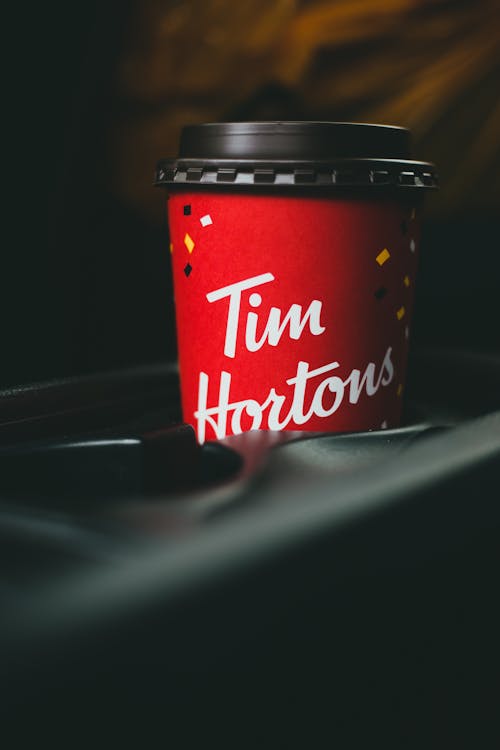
(100, 92)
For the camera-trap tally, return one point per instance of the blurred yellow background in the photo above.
(430, 65)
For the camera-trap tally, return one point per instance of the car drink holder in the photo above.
(111, 513)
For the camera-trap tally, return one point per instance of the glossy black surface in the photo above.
(293, 140)
(276, 570)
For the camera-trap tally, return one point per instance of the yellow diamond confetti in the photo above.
(383, 256)
(400, 313)
(406, 281)
(400, 389)
(171, 247)
(189, 242)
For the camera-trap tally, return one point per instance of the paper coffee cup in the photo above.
(294, 253)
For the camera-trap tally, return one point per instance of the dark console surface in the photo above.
(341, 573)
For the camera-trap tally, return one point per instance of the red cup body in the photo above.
(293, 312)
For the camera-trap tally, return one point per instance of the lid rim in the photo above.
(198, 160)
(277, 174)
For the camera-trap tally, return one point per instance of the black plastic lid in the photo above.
(293, 140)
(295, 153)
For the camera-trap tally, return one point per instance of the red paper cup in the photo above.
(294, 253)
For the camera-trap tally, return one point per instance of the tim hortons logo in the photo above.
(329, 392)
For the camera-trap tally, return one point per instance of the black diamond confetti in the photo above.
(404, 226)
(187, 210)
(380, 293)
(188, 269)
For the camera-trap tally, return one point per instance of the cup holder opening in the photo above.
(218, 464)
